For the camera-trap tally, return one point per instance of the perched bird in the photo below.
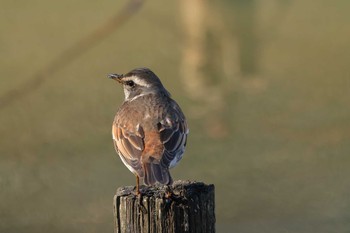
(149, 130)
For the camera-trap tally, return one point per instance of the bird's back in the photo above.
(164, 134)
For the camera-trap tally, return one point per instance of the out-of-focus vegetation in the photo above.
(265, 86)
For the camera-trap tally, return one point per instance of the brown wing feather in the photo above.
(129, 147)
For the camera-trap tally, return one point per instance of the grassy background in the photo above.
(282, 166)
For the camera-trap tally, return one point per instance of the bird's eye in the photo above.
(130, 83)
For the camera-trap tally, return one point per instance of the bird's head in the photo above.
(140, 81)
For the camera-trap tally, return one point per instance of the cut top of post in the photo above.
(184, 206)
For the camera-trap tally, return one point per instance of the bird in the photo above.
(149, 130)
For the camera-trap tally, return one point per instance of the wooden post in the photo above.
(184, 206)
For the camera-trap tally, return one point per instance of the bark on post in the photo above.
(184, 206)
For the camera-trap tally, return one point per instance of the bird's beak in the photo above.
(116, 77)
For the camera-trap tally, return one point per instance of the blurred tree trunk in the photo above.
(245, 28)
(209, 61)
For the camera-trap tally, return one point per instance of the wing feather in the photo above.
(173, 136)
(129, 147)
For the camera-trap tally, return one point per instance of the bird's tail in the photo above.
(156, 173)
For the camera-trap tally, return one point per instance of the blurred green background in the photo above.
(265, 86)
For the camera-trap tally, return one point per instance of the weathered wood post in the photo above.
(184, 206)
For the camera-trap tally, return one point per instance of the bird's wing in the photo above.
(129, 146)
(173, 132)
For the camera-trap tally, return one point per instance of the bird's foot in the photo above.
(139, 203)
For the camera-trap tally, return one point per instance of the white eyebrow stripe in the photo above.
(138, 81)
